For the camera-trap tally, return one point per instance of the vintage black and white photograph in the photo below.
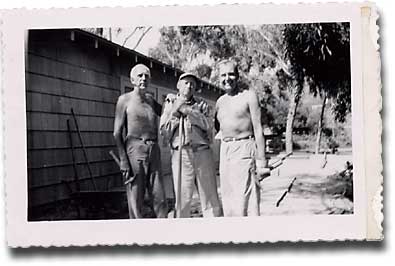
(189, 121)
(259, 122)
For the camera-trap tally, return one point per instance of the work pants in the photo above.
(197, 170)
(144, 157)
(239, 193)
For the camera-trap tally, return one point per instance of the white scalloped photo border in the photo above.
(364, 224)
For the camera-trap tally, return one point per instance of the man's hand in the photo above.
(204, 108)
(125, 170)
(262, 169)
(262, 173)
(179, 106)
(170, 98)
(178, 103)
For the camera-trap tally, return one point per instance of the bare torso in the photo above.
(142, 121)
(234, 116)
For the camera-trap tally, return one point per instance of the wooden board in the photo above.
(52, 157)
(54, 175)
(57, 122)
(39, 102)
(38, 140)
(43, 195)
(48, 67)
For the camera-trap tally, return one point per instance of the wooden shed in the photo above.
(73, 69)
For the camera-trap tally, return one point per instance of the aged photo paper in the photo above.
(192, 124)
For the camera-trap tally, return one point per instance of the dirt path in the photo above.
(315, 190)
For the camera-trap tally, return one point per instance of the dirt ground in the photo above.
(314, 190)
(300, 186)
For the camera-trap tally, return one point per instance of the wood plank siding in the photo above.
(63, 73)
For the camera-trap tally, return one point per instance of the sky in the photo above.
(150, 40)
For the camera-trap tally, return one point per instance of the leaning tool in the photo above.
(280, 161)
(84, 150)
(276, 164)
(180, 143)
(76, 177)
(272, 166)
(285, 192)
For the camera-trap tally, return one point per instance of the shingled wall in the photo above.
(69, 68)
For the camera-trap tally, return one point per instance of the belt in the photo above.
(194, 148)
(229, 139)
(145, 140)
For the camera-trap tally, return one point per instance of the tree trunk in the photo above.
(99, 31)
(320, 126)
(293, 105)
(110, 34)
(142, 37)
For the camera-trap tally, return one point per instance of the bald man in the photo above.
(136, 134)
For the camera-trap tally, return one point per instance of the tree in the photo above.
(264, 67)
(170, 47)
(189, 47)
(114, 34)
(320, 55)
(272, 53)
(262, 58)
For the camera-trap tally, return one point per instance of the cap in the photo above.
(188, 74)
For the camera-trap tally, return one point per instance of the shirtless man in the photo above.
(242, 155)
(137, 114)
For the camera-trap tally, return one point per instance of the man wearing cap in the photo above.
(197, 161)
(135, 134)
(242, 155)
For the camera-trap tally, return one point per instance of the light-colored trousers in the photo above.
(239, 192)
(197, 170)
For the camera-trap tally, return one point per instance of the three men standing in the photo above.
(242, 156)
(197, 162)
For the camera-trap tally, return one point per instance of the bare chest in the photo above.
(141, 112)
(232, 108)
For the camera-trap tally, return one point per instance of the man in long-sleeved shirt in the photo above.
(197, 158)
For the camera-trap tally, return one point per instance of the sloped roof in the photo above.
(100, 40)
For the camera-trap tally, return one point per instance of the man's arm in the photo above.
(197, 115)
(217, 124)
(168, 121)
(119, 124)
(255, 112)
(156, 107)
